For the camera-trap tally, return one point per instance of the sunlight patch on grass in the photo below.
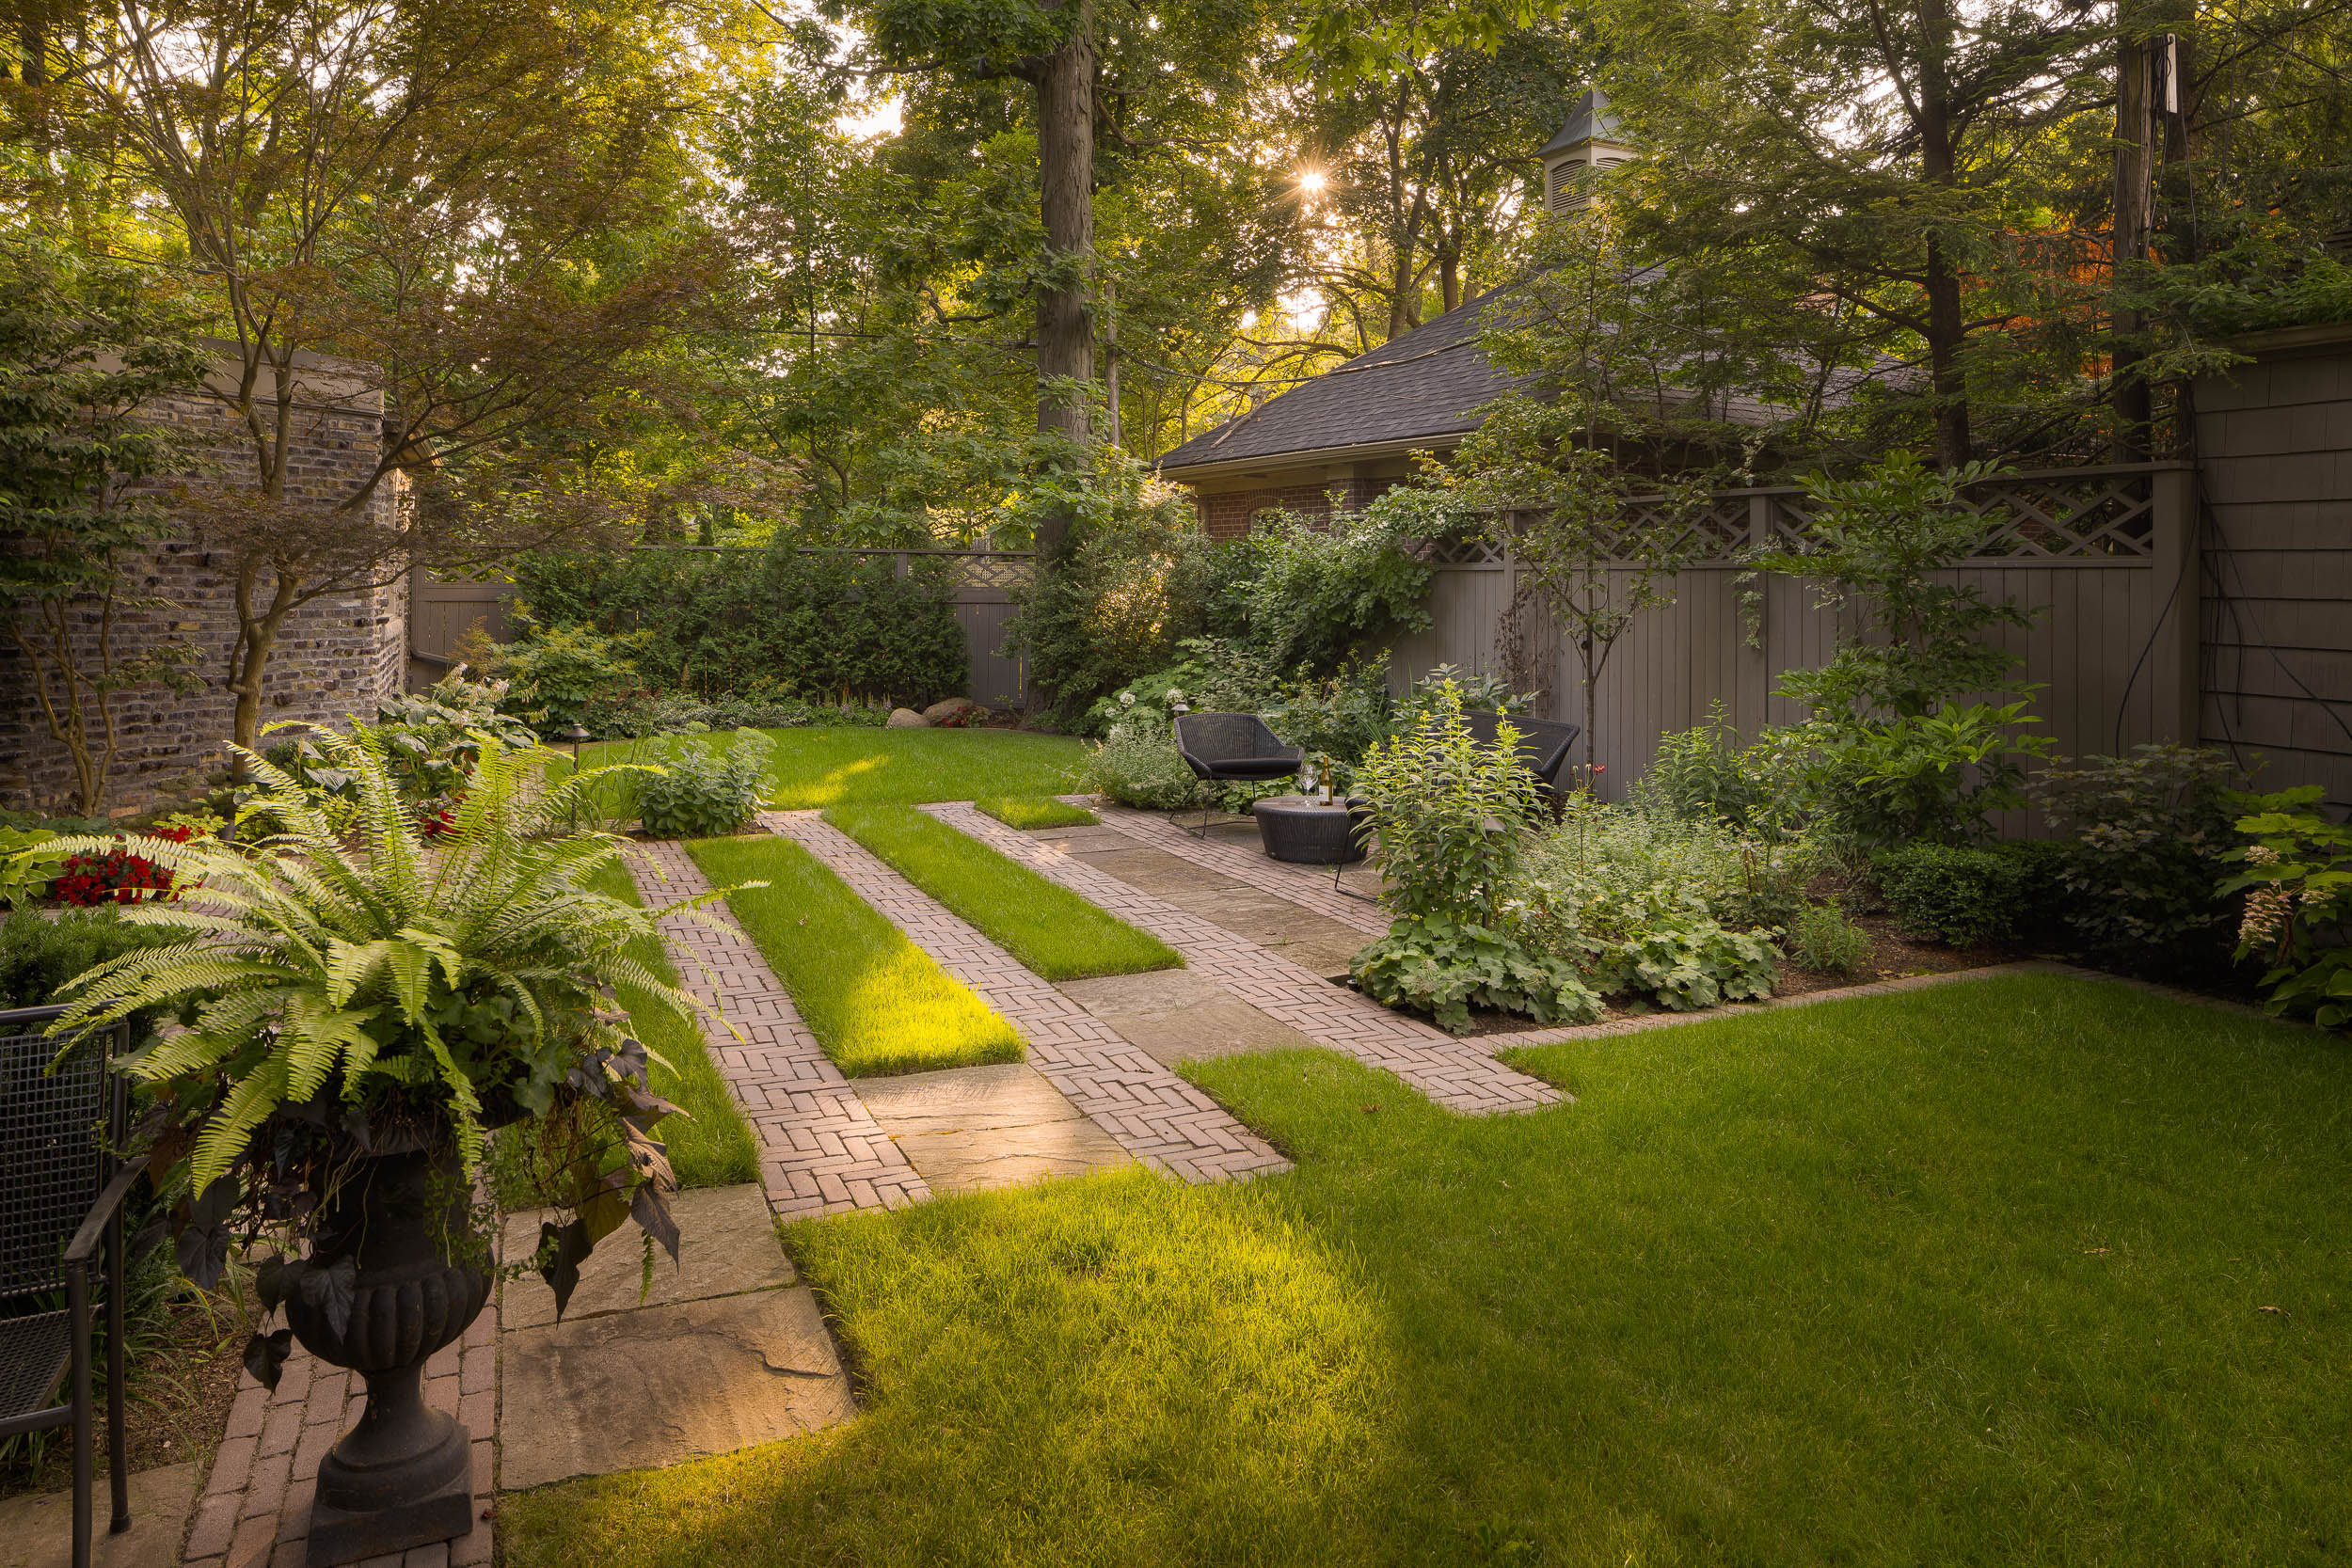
(1978, 1273)
(1048, 928)
(876, 1002)
(1115, 1370)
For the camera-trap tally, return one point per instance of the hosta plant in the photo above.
(1444, 967)
(346, 994)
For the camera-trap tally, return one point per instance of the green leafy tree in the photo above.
(84, 344)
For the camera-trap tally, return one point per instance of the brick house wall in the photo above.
(339, 654)
(1225, 514)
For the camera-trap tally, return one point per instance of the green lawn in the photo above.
(875, 1001)
(834, 764)
(1974, 1274)
(1050, 929)
(1035, 811)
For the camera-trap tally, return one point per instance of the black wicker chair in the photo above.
(61, 1192)
(1232, 747)
(1543, 744)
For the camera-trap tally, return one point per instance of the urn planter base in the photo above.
(413, 1501)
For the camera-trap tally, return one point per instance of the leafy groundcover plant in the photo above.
(2298, 883)
(340, 994)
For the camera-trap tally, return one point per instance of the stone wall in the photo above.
(338, 655)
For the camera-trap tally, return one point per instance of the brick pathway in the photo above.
(255, 1508)
(1452, 1072)
(1309, 887)
(819, 1151)
(1156, 1117)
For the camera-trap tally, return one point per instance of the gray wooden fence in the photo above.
(2104, 554)
(441, 609)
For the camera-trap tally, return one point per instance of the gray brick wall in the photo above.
(339, 654)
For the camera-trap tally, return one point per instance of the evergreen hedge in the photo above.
(718, 623)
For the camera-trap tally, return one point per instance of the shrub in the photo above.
(1969, 896)
(2144, 843)
(1821, 937)
(2298, 883)
(1451, 813)
(1700, 775)
(1138, 766)
(831, 625)
(1689, 964)
(1932, 777)
(1310, 592)
(1119, 601)
(705, 791)
(562, 675)
(39, 953)
(1444, 967)
(1621, 852)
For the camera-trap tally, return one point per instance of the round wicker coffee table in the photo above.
(1294, 828)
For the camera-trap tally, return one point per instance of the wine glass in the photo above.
(1306, 778)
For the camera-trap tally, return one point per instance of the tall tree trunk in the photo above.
(1946, 327)
(1065, 157)
(2133, 225)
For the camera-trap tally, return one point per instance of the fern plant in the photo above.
(341, 993)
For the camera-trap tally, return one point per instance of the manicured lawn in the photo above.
(875, 1001)
(831, 765)
(1052, 930)
(1035, 811)
(1980, 1273)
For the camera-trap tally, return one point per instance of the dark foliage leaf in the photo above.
(651, 1209)
(332, 1290)
(563, 1249)
(265, 1356)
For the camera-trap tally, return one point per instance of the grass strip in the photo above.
(1028, 812)
(1048, 928)
(2030, 1269)
(832, 765)
(710, 1145)
(875, 1001)
(713, 1147)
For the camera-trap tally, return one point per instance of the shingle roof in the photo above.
(1590, 121)
(1421, 386)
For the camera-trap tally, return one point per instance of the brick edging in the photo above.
(1457, 1074)
(820, 1151)
(1159, 1118)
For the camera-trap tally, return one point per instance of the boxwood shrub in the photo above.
(1969, 896)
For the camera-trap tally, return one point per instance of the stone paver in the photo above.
(727, 1349)
(727, 1244)
(1307, 886)
(1452, 1072)
(1155, 1115)
(37, 1527)
(255, 1507)
(972, 1129)
(1180, 1014)
(821, 1152)
(631, 1390)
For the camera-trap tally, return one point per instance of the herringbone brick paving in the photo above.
(1309, 887)
(1155, 1115)
(821, 1152)
(1452, 1072)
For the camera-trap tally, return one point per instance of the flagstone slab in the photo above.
(1180, 1015)
(662, 1384)
(37, 1527)
(727, 1244)
(978, 1127)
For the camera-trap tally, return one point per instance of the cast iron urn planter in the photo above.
(402, 1477)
